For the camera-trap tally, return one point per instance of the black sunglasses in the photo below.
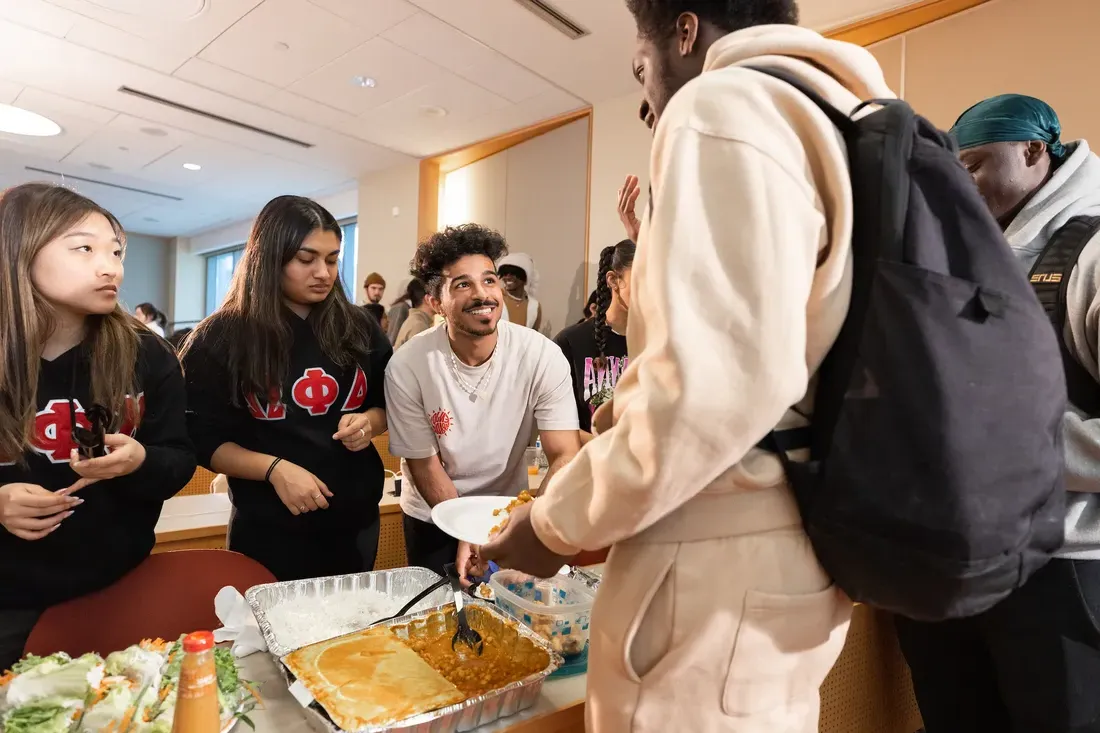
(90, 441)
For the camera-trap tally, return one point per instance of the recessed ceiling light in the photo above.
(433, 111)
(367, 82)
(192, 166)
(154, 131)
(19, 121)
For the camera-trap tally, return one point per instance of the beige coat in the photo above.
(714, 615)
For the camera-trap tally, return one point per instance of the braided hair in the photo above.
(617, 258)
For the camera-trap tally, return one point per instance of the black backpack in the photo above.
(934, 485)
(1050, 278)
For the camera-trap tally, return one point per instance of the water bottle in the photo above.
(540, 455)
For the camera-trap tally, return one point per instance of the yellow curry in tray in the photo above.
(384, 675)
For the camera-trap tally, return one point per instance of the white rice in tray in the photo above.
(306, 620)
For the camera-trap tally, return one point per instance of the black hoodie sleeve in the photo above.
(211, 418)
(380, 352)
(169, 456)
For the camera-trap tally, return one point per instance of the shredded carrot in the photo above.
(154, 645)
(127, 718)
(254, 692)
(7, 677)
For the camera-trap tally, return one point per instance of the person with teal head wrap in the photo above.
(1010, 144)
(1031, 664)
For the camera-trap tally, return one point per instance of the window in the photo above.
(219, 273)
(221, 266)
(348, 250)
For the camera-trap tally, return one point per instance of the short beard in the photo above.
(476, 332)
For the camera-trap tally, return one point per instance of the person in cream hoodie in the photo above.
(714, 614)
(1031, 663)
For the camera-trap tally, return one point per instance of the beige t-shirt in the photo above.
(481, 442)
(417, 322)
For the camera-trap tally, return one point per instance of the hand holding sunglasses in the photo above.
(124, 456)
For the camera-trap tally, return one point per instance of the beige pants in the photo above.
(729, 635)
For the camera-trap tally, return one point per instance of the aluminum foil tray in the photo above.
(402, 583)
(466, 715)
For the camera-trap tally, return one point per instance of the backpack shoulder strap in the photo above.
(1049, 278)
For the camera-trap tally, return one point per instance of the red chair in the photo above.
(167, 595)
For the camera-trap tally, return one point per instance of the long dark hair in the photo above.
(31, 216)
(617, 258)
(252, 322)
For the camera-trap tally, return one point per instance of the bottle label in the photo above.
(197, 687)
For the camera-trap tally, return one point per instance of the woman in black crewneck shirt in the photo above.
(77, 371)
(285, 391)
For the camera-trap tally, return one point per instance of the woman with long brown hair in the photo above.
(90, 402)
(285, 392)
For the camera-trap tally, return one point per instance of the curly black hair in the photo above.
(617, 258)
(656, 19)
(449, 246)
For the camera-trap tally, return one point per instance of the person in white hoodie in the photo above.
(714, 615)
(521, 282)
(1032, 663)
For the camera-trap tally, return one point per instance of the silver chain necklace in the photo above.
(475, 391)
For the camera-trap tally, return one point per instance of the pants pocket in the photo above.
(649, 636)
(785, 646)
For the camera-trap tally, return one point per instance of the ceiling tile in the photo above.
(48, 103)
(212, 76)
(505, 77)
(150, 54)
(372, 16)
(9, 90)
(124, 147)
(312, 38)
(461, 100)
(395, 71)
(39, 15)
(438, 42)
(309, 110)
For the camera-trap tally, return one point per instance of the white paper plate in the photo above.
(469, 518)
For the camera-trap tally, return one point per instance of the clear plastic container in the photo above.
(558, 609)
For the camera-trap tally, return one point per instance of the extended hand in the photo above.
(355, 431)
(30, 512)
(298, 489)
(628, 198)
(125, 455)
(517, 547)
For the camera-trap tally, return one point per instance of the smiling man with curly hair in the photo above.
(464, 397)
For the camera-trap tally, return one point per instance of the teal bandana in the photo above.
(1010, 118)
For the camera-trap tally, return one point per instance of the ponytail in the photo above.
(617, 258)
(158, 316)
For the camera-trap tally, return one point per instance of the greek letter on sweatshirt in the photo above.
(297, 426)
(113, 530)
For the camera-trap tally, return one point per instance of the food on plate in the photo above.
(523, 498)
(132, 691)
(370, 678)
(507, 657)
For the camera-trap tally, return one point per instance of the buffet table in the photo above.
(868, 691)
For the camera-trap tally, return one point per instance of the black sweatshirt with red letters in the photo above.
(113, 530)
(297, 425)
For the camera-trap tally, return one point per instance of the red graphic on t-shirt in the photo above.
(358, 393)
(134, 411)
(441, 422)
(315, 391)
(53, 433)
(273, 410)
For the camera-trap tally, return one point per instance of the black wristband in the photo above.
(267, 476)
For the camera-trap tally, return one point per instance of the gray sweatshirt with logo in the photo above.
(1074, 190)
